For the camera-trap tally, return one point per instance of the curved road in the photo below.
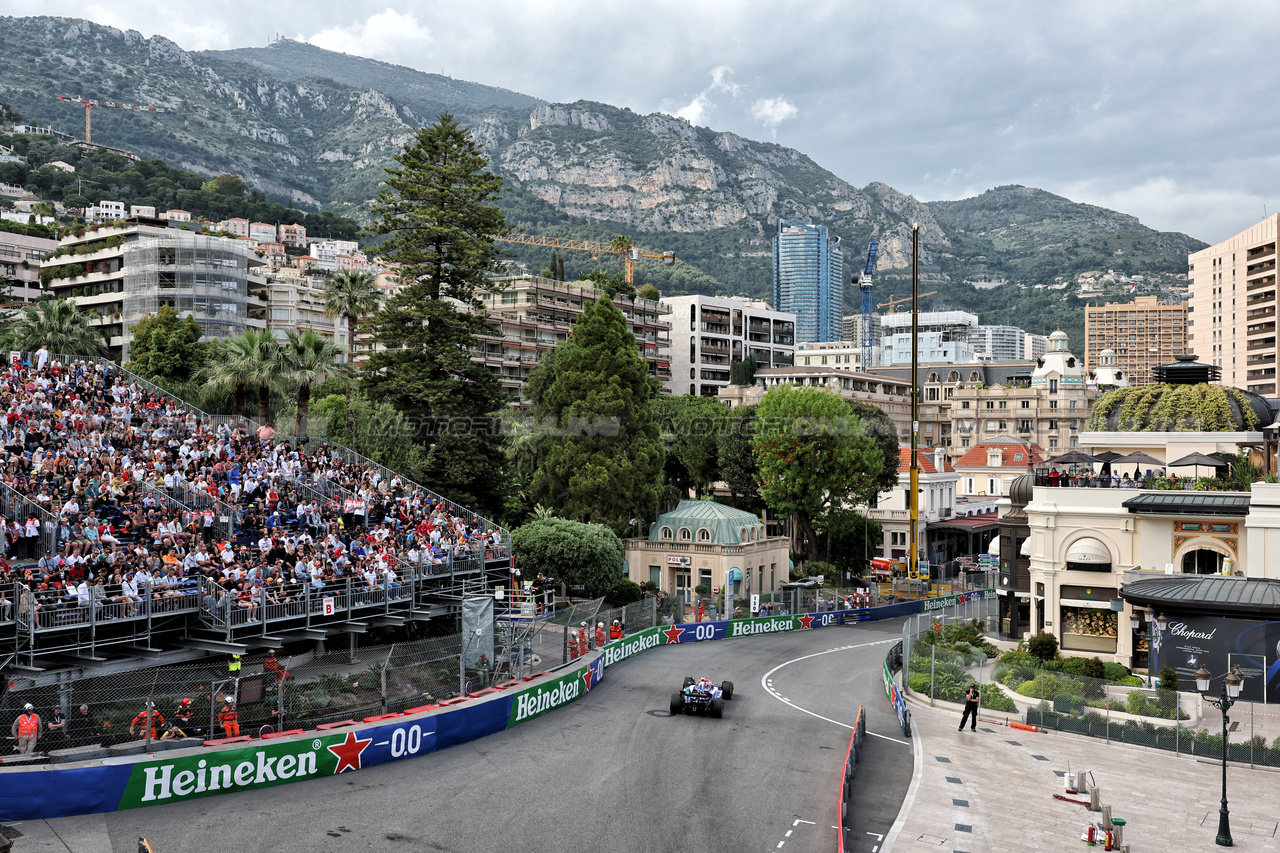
(611, 771)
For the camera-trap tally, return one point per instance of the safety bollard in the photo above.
(1082, 781)
(1095, 799)
(1106, 815)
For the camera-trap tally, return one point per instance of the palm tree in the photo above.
(308, 359)
(56, 324)
(262, 368)
(224, 369)
(352, 294)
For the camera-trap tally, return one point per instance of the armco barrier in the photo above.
(39, 793)
(892, 664)
(846, 780)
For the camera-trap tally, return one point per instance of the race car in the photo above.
(701, 695)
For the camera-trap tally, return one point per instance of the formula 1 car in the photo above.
(701, 696)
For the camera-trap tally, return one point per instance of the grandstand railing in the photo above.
(18, 507)
(224, 515)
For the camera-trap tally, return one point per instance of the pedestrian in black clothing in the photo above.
(80, 727)
(970, 707)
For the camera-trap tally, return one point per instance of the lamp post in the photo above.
(1230, 693)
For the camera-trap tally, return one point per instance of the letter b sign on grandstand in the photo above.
(328, 605)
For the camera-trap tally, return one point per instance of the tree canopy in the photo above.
(605, 462)
(590, 555)
(814, 456)
(167, 347)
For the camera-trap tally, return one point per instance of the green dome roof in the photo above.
(1179, 408)
(724, 522)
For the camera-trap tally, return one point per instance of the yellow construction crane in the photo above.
(89, 104)
(621, 247)
(895, 300)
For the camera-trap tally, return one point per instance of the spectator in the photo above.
(59, 737)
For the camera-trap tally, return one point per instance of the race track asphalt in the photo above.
(611, 772)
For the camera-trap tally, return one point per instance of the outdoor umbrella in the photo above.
(1198, 459)
(1106, 457)
(1139, 458)
(1075, 457)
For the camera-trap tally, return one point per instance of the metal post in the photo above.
(933, 659)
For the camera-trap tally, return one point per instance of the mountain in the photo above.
(319, 127)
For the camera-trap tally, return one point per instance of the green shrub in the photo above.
(625, 592)
(1043, 646)
(1136, 703)
(1168, 678)
(994, 698)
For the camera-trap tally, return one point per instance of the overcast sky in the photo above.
(1165, 110)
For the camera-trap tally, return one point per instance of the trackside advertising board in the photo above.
(41, 794)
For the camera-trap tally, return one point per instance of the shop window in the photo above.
(1089, 629)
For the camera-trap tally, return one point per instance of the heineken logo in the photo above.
(673, 634)
(620, 650)
(762, 626)
(536, 701)
(349, 752)
(167, 781)
(806, 621)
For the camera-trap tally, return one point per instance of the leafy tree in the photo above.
(437, 214)
(166, 346)
(308, 359)
(743, 372)
(228, 185)
(880, 427)
(589, 555)
(605, 463)
(56, 324)
(849, 540)
(648, 291)
(1043, 645)
(690, 427)
(381, 433)
(736, 456)
(611, 283)
(814, 455)
(352, 295)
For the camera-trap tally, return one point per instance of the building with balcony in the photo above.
(704, 543)
(989, 468)
(1142, 334)
(262, 232)
(808, 280)
(945, 337)
(20, 259)
(719, 331)
(529, 315)
(326, 252)
(1231, 319)
(1000, 343)
(295, 300)
(120, 273)
(293, 236)
(938, 504)
(236, 226)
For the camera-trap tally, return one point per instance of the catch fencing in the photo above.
(1079, 695)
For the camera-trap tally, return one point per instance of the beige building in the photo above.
(892, 396)
(704, 543)
(720, 331)
(20, 259)
(1143, 334)
(1232, 320)
(529, 315)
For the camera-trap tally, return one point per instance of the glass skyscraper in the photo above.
(808, 280)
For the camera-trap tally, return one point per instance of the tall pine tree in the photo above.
(604, 465)
(437, 210)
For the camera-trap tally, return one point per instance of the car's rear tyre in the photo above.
(717, 707)
(688, 679)
(677, 703)
(726, 687)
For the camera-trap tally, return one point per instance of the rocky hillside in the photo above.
(319, 127)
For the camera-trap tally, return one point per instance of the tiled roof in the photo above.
(926, 461)
(976, 456)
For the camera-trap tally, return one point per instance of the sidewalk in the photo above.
(991, 791)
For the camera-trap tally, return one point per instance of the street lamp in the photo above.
(1230, 693)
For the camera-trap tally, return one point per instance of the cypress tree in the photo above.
(604, 465)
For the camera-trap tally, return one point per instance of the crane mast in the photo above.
(868, 339)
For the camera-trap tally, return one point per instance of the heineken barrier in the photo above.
(928, 605)
(42, 794)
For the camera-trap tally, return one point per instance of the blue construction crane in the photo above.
(868, 340)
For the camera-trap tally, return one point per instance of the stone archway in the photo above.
(1202, 556)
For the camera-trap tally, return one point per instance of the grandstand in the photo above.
(141, 530)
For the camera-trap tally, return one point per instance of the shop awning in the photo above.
(1089, 550)
(994, 548)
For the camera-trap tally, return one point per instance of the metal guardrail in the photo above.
(846, 780)
(17, 506)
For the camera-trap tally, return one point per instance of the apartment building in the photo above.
(104, 211)
(842, 355)
(295, 300)
(1232, 313)
(326, 252)
(293, 236)
(142, 211)
(236, 225)
(946, 337)
(529, 315)
(1143, 334)
(720, 331)
(263, 232)
(20, 258)
(274, 254)
(1000, 343)
(120, 273)
(939, 383)
(852, 331)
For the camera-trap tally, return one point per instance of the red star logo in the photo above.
(805, 620)
(349, 752)
(586, 678)
(673, 634)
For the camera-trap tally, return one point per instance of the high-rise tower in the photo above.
(808, 280)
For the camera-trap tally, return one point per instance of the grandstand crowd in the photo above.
(138, 506)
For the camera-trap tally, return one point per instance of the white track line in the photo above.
(766, 683)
